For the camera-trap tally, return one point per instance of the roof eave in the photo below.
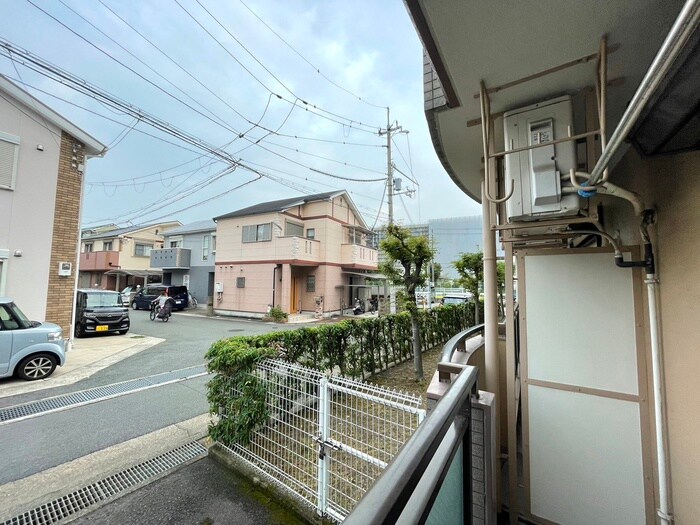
(93, 147)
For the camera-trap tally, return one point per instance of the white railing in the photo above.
(327, 438)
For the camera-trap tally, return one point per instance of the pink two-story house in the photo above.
(303, 254)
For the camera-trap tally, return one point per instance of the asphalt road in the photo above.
(36, 444)
(188, 337)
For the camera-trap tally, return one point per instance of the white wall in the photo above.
(26, 214)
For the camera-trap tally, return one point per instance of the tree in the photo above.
(501, 271)
(406, 257)
(470, 267)
(437, 271)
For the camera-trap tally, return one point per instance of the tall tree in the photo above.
(406, 257)
(470, 267)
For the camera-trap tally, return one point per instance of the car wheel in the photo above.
(39, 366)
(134, 305)
(79, 332)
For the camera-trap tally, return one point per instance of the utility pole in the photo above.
(389, 131)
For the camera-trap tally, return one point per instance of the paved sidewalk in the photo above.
(88, 356)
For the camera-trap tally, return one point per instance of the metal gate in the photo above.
(327, 438)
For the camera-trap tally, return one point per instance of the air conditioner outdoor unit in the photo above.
(536, 173)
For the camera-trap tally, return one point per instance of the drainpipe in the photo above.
(665, 510)
(665, 496)
(682, 29)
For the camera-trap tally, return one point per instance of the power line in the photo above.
(180, 146)
(308, 62)
(212, 113)
(306, 104)
(218, 97)
(225, 126)
(371, 170)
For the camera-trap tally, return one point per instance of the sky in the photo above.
(293, 91)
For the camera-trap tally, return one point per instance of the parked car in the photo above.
(128, 293)
(457, 298)
(28, 349)
(142, 299)
(100, 311)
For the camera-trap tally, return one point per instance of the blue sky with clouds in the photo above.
(231, 83)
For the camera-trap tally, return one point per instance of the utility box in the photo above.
(536, 173)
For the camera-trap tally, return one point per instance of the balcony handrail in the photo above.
(451, 346)
(406, 490)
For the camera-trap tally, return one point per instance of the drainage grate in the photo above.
(100, 393)
(106, 488)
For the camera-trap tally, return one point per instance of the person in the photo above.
(163, 304)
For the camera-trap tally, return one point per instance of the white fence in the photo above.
(327, 438)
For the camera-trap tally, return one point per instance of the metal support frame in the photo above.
(487, 124)
(491, 198)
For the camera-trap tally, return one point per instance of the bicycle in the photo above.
(156, 313)
(193, 302)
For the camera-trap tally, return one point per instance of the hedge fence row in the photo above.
(357, 348)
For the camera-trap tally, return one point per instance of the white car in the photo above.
(28, 349)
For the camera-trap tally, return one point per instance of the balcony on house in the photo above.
(358, 255)
(99, 261)
(171, 258)
(297, 249)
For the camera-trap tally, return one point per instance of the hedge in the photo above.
(357, 348)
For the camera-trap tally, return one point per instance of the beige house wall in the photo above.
(676, 186)
(297, 259)
(671, 185)
(27, 213)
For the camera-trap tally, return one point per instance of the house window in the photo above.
(9, 153)
(257, 232)
(107, 246)
(206, 247)
(175, 242)
(311, 233)
(240, 282)
(311, 283)
(88, 247)
(213, 243)
(293, 229)
(142, 250)
(354, 236)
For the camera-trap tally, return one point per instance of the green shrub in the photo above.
(356, 348)
(235, 393)
(277, 314)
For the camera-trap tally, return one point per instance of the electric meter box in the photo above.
(536, 173)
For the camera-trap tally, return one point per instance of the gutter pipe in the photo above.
(682, 29)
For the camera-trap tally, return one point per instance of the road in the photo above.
(39, 443)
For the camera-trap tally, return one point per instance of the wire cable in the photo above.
(308, 62)
(159, 88)
(307, 105)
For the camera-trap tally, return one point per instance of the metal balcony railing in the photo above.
(432, 473)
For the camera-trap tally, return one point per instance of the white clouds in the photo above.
(369, 48)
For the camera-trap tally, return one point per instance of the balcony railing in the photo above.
(358, 255)
(297, 249)
(98, 261)
(431, 477)
(171, 258)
